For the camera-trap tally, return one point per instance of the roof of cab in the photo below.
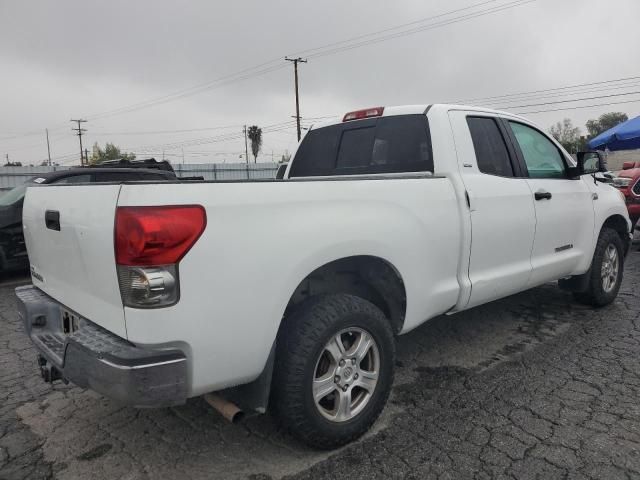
(422, 109)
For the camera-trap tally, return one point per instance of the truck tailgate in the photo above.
(69, 237)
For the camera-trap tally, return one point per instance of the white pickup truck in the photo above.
(291, 291)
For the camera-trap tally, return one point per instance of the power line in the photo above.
(270, 66)
(215, 139)
(164, 132)
(570, 101)
(566, 87)
(580, 107)
(461, 18)
(534, 97)
(397, 27)
(178, 95)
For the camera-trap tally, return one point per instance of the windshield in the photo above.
(13, 195)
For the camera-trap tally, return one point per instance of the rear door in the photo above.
(564, 206)
(69, 236)
(502, 208)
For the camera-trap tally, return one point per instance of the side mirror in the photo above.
(591, 162)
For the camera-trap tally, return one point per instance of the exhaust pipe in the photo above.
(228, 410)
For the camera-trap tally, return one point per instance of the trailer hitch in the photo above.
(49, 372)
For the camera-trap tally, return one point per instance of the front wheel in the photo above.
(606, 270)
(334, 369)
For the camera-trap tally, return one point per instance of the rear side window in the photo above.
(491, 150)
(380, 145)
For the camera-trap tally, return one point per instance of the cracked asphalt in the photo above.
(532, 386)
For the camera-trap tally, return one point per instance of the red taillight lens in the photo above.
(366, 113)
(161, 235)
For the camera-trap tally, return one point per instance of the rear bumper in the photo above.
(92, 357)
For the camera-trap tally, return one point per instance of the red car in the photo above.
(628, 181)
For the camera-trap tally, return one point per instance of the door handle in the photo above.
(52, 220)
(542, 195)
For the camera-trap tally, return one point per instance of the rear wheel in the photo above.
(606, 270)
(334, 369)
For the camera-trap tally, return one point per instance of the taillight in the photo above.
(149, 243)
(157, 235)
(366, 113)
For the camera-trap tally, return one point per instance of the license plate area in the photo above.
(71, 322)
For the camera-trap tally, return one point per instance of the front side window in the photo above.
(491, 150)
(542, 157)
(393, 144)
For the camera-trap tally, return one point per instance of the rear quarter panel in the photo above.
(263, 238)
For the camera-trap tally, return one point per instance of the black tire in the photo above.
(301, 342)
(596, 295)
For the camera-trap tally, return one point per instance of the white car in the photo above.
(293, 289)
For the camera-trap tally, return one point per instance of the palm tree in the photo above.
(255, 135)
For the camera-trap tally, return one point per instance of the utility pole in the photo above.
(48, 148)
(79, 131)
(86, 155)
(7, 157)
(246, 147)
(295, 71)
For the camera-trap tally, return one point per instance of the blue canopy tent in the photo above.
(625, 136)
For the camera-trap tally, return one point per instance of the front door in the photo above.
(564, 206)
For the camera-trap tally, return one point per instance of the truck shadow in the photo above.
(85, 434)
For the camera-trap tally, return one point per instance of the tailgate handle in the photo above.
(52, 219)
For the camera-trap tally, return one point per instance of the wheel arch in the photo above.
(621, 225)
(367, 276)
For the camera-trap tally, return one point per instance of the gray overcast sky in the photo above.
(70, 59)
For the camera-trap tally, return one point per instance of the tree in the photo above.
(110, 152)
(604, 122)
(568, 135)
(255, 135)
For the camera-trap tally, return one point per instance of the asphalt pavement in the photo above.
(532, 386)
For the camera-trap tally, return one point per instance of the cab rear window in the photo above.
(380, 145)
